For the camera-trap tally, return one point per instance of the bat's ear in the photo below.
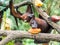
(29, 9)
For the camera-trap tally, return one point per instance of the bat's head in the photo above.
(29, 17)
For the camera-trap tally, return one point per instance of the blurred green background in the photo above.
(52, 7)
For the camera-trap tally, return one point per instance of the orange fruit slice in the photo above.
(34, 31)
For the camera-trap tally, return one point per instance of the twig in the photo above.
(19, 4)
(22, 4)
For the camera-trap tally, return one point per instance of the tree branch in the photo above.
(46, 17)
(19, 4)
(5, 40)
(22, 4)
(23, 34)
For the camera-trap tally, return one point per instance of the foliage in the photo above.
(50, 6)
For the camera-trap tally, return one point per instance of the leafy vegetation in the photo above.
(52, 7)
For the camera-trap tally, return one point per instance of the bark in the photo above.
(23, 34)
(18, 5)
